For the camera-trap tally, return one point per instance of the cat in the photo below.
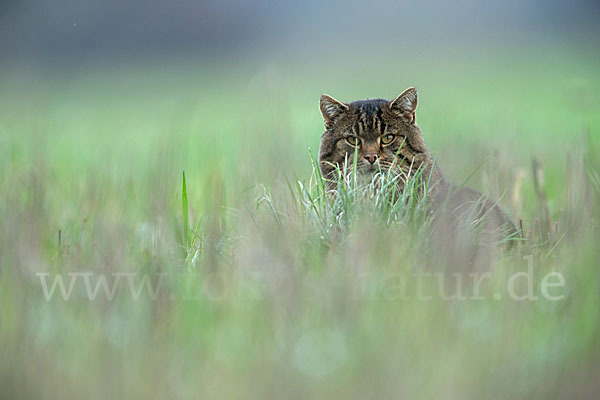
(385, 138)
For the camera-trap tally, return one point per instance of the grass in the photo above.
(267, 287)
(335, 214)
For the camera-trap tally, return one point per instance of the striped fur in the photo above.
(368, 122)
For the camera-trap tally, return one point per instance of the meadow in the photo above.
(257, 288)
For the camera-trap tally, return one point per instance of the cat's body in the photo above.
(384, 136)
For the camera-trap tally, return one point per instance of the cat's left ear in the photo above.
(331, 109)
(406, 104)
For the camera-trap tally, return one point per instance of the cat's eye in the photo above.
(387, 139)
(353, 140)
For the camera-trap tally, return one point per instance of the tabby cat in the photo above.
(384, 136)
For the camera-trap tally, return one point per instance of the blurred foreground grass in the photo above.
(258, 300)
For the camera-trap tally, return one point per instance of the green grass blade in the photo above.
(185, 214)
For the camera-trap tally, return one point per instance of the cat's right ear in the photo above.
(331, 109)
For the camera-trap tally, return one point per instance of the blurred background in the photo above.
(104, 103)
(72, 32)
(262, 58)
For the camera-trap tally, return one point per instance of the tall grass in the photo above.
(376, 198)
(270, 285)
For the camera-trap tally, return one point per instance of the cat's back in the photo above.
(469, 209)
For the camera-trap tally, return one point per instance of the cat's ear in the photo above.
(331, 109)
(406, 104)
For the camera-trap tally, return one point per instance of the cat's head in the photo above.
(382, 134)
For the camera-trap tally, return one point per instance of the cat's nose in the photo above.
(371, 158)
